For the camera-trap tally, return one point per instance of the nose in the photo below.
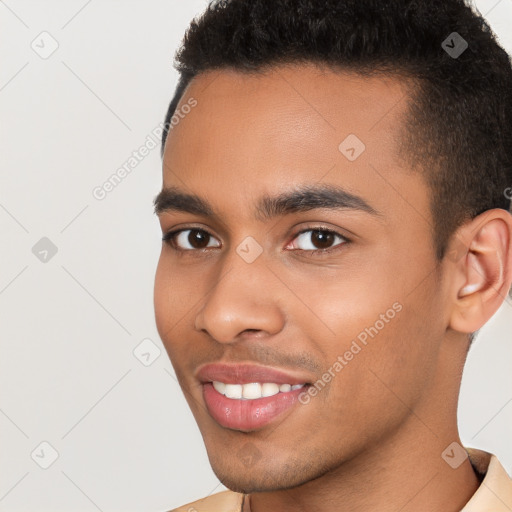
(245, 297)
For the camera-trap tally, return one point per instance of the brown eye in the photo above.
(318, 240)
(322, 239)
(189, 239)
(198, 239)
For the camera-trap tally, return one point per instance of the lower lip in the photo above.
(247, 414)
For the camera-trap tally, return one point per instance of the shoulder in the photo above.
(226, 501)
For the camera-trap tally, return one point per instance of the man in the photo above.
(334, 209)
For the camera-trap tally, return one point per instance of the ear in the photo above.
(483, 269)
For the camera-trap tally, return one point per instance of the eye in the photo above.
(313, 240)
(318, 240)
(188, 239)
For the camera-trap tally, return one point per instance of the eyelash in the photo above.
(170, 239)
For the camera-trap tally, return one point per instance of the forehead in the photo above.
(335, 99)
(258, 133)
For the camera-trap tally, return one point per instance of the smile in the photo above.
(248, 396)
(231, 409)
(253, 390)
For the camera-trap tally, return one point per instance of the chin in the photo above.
(261, 476)
(251, 483)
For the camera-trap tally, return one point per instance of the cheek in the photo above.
(170, 301)
(346, 302)
(178, 294)
(374, 337)
(162, 298)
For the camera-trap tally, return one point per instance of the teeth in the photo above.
(219, 386)
(253, 390)
(233, 391)
(269, 389)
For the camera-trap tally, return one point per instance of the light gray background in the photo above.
(68, 327)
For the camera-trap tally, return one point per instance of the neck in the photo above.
(404, 471)
(409, 476)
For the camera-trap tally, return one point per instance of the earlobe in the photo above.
(483, 276)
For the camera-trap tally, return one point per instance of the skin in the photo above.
(372, 439)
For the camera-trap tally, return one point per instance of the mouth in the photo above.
(253, 390)
(248, 397)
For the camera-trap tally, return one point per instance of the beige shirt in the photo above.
(493, 495)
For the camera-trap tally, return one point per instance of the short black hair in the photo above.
(458, 129)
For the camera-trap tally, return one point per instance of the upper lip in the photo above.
(245, 373)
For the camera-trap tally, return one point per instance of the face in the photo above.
(306, 258)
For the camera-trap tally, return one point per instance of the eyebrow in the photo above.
(302, 198)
